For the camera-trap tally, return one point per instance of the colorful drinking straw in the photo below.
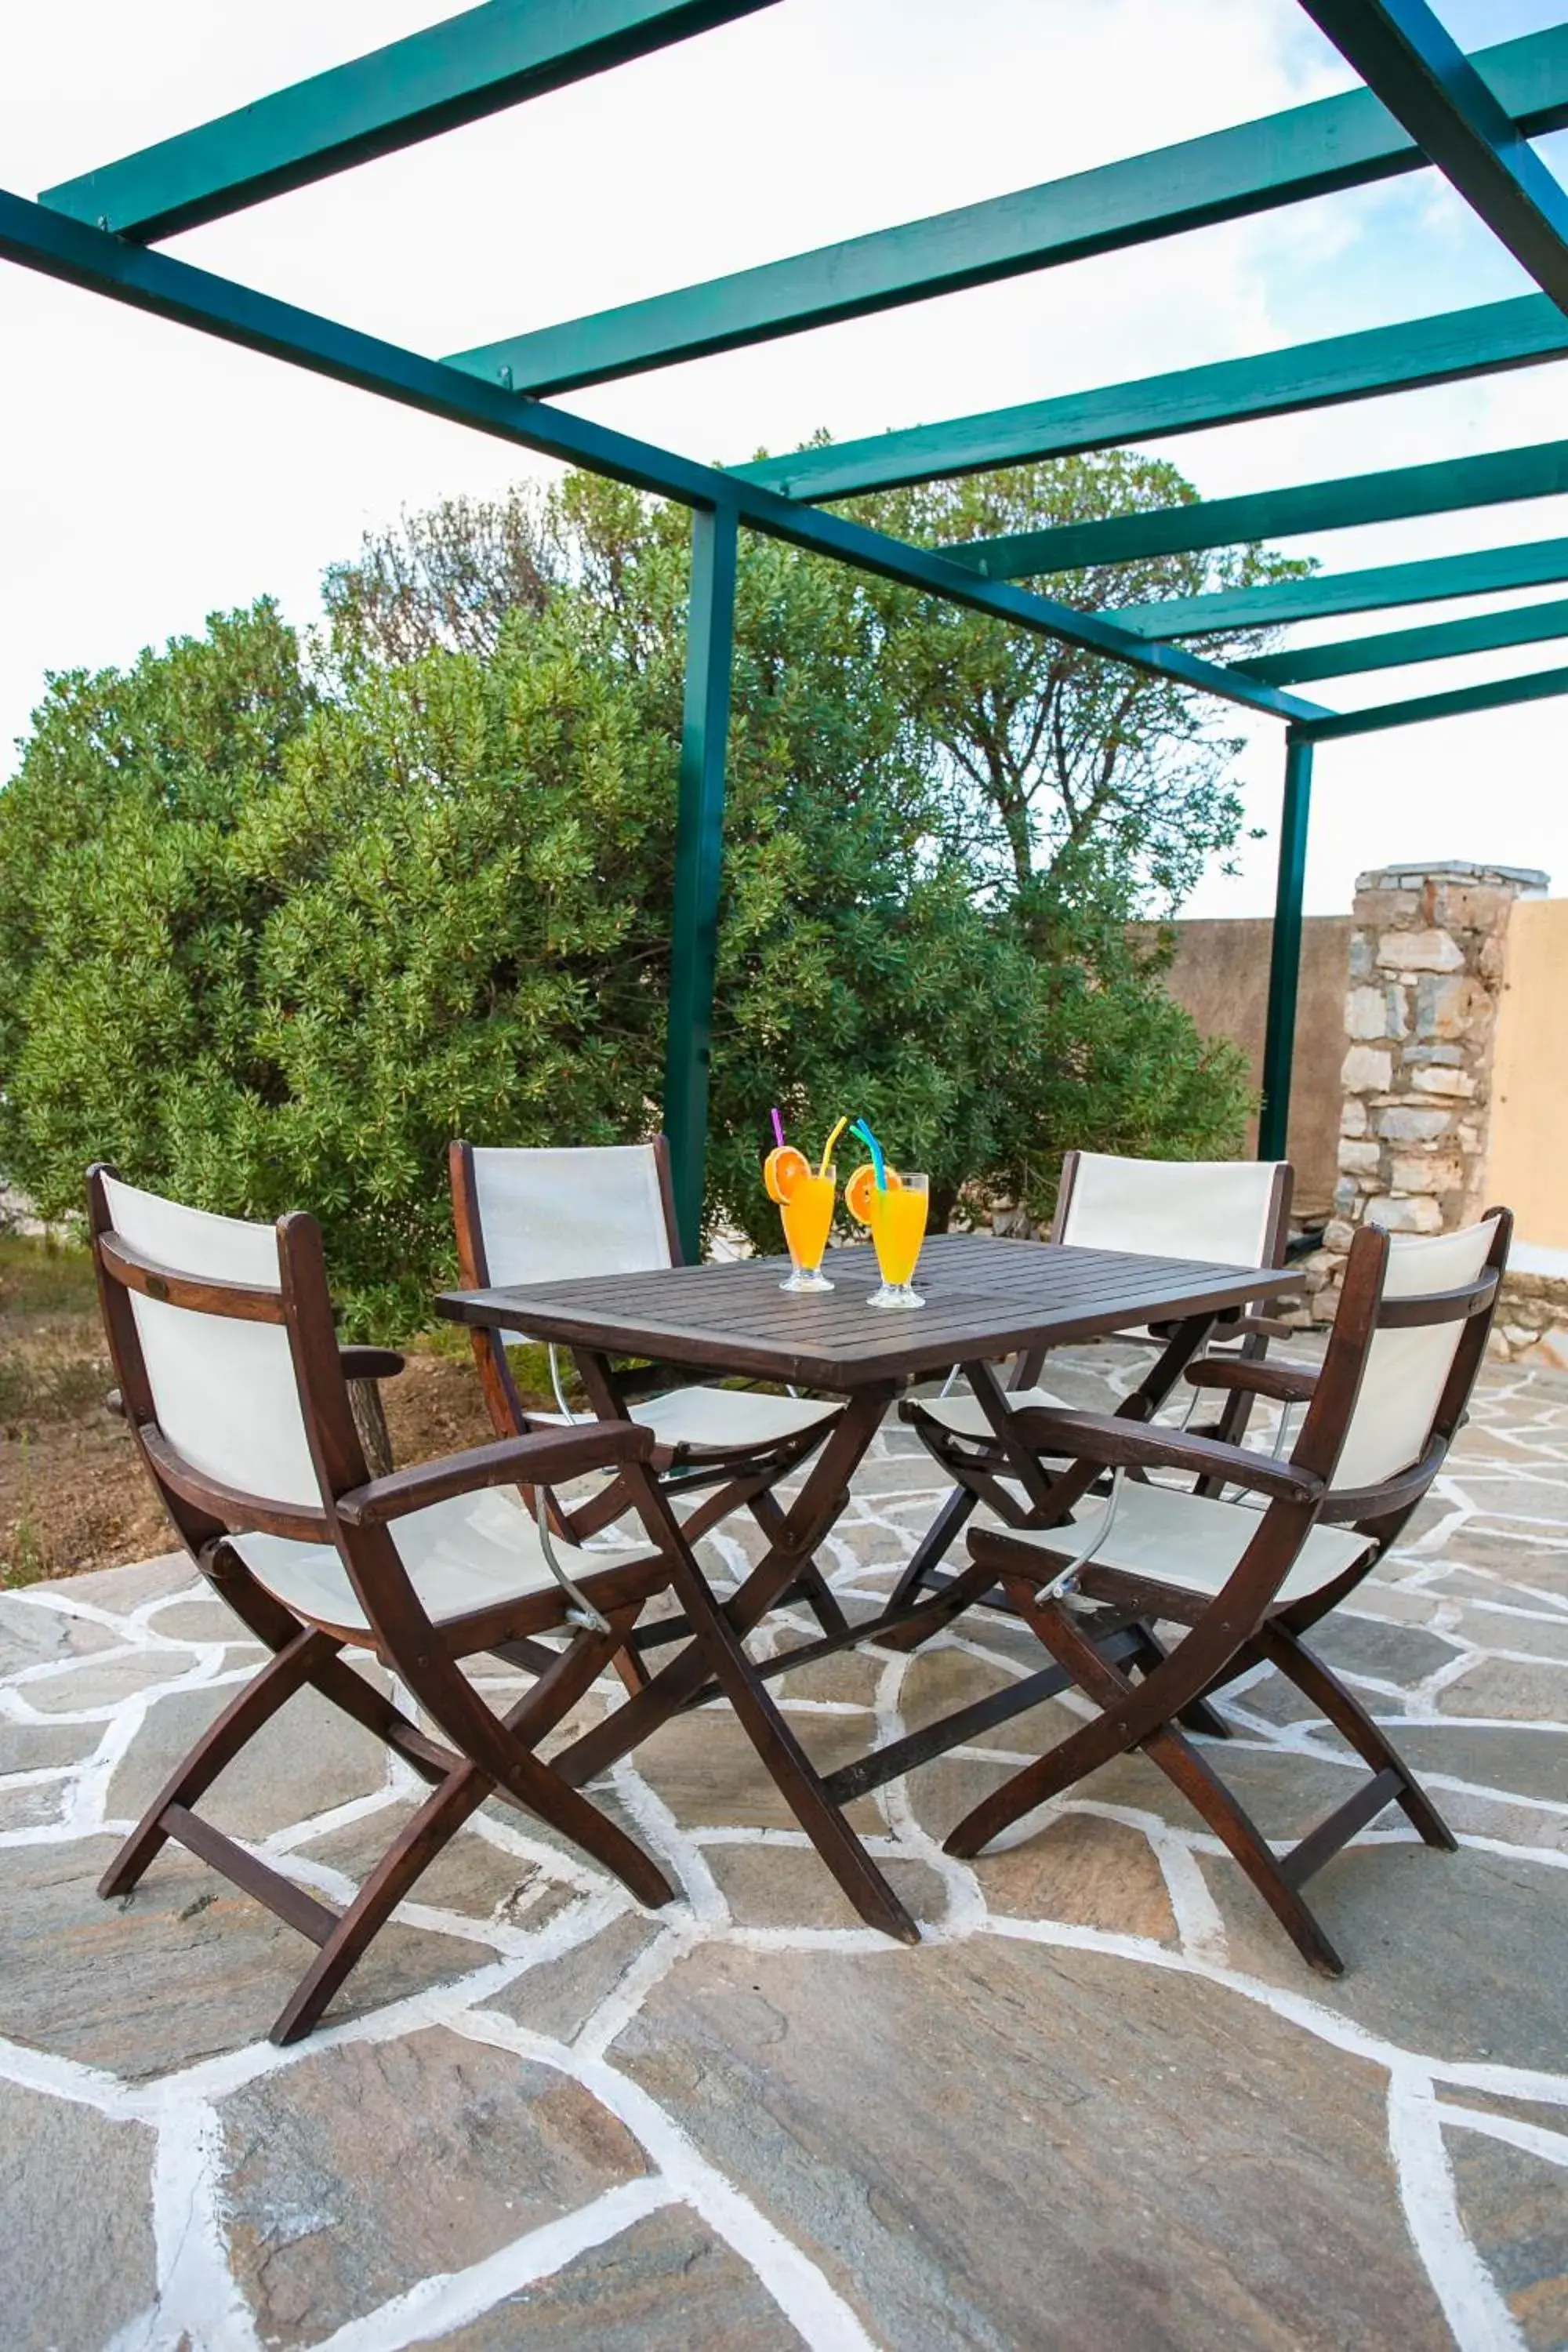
(875, 1148)
(778, 1129)
(828, 1148)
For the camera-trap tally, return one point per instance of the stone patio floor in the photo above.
(1103, 2104)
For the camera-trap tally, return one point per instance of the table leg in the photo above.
(816, 1509)
(790, 1769)
(716, 1655)
(934, 1545)
(811, 1585)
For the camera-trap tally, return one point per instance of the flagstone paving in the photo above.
(1102, 2105)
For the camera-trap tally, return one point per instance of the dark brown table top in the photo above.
(985, 1298)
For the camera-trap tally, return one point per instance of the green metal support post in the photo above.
(699, 859)
(1285, 956)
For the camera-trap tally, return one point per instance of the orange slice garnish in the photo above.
(785, 1171)
(861, 1189)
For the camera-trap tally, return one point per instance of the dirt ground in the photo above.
(73, 1495)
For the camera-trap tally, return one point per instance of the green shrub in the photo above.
(270, 938)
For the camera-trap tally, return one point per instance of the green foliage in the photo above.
(112, 839)
(270, 937)
(1078, 782)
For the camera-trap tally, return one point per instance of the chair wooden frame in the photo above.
(489, 1755)
(1243, 1624)
(743, 1478)
(978, 1466)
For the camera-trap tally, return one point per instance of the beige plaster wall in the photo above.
(1221, 975)
(1526, 1153)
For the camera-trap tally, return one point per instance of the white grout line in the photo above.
(800, 2290)
(198, 2303)
(1533, 2139)
(449, 2300)
(1472, 2305)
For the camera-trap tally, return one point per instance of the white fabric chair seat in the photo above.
(470, 1552)
(1193, 1542)
(963, 1415)
(730, 1421)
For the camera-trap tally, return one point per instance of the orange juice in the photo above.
(808, 1218)
(897, 1223)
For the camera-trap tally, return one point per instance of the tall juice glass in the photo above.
(897, 1223)
(807, 1217)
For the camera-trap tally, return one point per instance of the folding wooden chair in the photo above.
(1247, 1584)
(236, 1389)
(1223, 1212)
(547, 1215)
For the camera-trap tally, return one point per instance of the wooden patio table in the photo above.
(988, 1299)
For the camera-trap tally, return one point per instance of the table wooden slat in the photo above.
(985, 1298)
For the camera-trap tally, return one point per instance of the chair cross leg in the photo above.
(1199, 1716)
(433, 1827)
(444, 1813)
(1208, 1794)
(1124, 1703)
(1292, 1658)
(310, 1659)
(287, 1671)
(1132, 1714)
(273, 1625)
(921, 1619)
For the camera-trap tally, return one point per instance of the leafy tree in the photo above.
(270, 936)
(122, 916)
(444, 580)
(1074, 794)
(1070, 777)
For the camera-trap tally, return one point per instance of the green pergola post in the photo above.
(699, 859)
(1285, 955)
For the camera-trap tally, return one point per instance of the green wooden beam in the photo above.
(147, 280)
(1482, 340)
(1527, 624)
(699, 863)
(1309, 150)
(1427, 82)
(1285, 951)
(1452, 483)
(472, 65)
(1540, 686)
(1432, 581)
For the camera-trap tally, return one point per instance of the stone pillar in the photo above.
(1425, 973)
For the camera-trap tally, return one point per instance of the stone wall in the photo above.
(1425, 976)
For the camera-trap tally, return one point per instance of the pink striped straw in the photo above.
(778, 1129)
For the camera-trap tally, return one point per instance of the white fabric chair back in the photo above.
(1405, 1370)
(1213, 1209)
(224, 1391)
(547, 1215)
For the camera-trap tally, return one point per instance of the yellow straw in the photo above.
(827, 1147)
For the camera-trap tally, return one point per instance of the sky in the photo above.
(154, 476)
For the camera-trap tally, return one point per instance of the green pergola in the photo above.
(1423, 102)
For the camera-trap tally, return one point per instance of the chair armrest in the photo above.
(370, 1363)
(540, 1459)
(1118, 1443)
(1287, 1383)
